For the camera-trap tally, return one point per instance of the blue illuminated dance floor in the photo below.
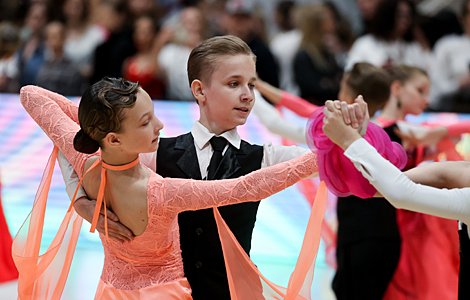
(24, 152)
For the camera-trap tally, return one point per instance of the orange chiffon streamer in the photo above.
(44, 276)
(247, 282)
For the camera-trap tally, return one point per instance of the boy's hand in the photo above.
(356, 115)
(85, 208)
(335, 127)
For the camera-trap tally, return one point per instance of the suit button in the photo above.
(199, 231)
(198, 264)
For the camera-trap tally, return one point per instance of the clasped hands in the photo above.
(344, 123)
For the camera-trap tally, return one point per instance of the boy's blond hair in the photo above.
(203, 58)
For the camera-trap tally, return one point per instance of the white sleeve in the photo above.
(70, 177)
(272, 119)
(401, 192)
(273, 155)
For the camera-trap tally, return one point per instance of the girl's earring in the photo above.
(398, 103)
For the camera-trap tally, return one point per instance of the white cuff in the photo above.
(70, 177)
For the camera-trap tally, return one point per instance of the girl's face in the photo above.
(140, 129)
(414, 94)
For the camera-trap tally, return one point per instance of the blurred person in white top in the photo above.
(82, 37)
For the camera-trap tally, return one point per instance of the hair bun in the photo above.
(84, 143)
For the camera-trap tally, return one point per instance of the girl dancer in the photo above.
(117, 116)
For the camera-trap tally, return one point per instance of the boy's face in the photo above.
(229, 96)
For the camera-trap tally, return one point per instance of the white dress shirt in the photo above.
(271, 155)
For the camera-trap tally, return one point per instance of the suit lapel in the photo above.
(188, 162)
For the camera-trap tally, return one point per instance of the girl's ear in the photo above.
(197, 87)
(395, 88)
(112, 140)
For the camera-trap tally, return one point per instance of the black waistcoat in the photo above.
(201, 249)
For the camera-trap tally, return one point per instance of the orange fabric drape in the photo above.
(43, 276)
(246, 281)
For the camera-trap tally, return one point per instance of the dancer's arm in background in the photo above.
(398, 188)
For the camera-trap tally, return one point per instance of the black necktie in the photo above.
(218, 145)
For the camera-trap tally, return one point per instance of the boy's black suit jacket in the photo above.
(201, 249)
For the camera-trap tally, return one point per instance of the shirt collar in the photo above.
(202, 135)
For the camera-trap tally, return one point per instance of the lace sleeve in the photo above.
(58, 118)
(183, 194)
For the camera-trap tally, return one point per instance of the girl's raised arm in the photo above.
(58, 118)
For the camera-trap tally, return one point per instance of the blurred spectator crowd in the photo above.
(302, 46)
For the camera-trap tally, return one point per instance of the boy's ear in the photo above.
(112, 139)
(197, 87)
(395, 87)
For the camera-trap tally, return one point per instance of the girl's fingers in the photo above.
(345, 112)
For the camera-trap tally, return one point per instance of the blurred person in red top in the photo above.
(143, 66)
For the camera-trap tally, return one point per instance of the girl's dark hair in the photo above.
(101, 111)
(384, 20)
(404, 72)
(372, 82)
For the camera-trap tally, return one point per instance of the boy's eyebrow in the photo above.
(240, 76)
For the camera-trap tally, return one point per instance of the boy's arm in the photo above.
(273, 155)
(86, 207)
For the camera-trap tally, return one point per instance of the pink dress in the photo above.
(156, 268)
